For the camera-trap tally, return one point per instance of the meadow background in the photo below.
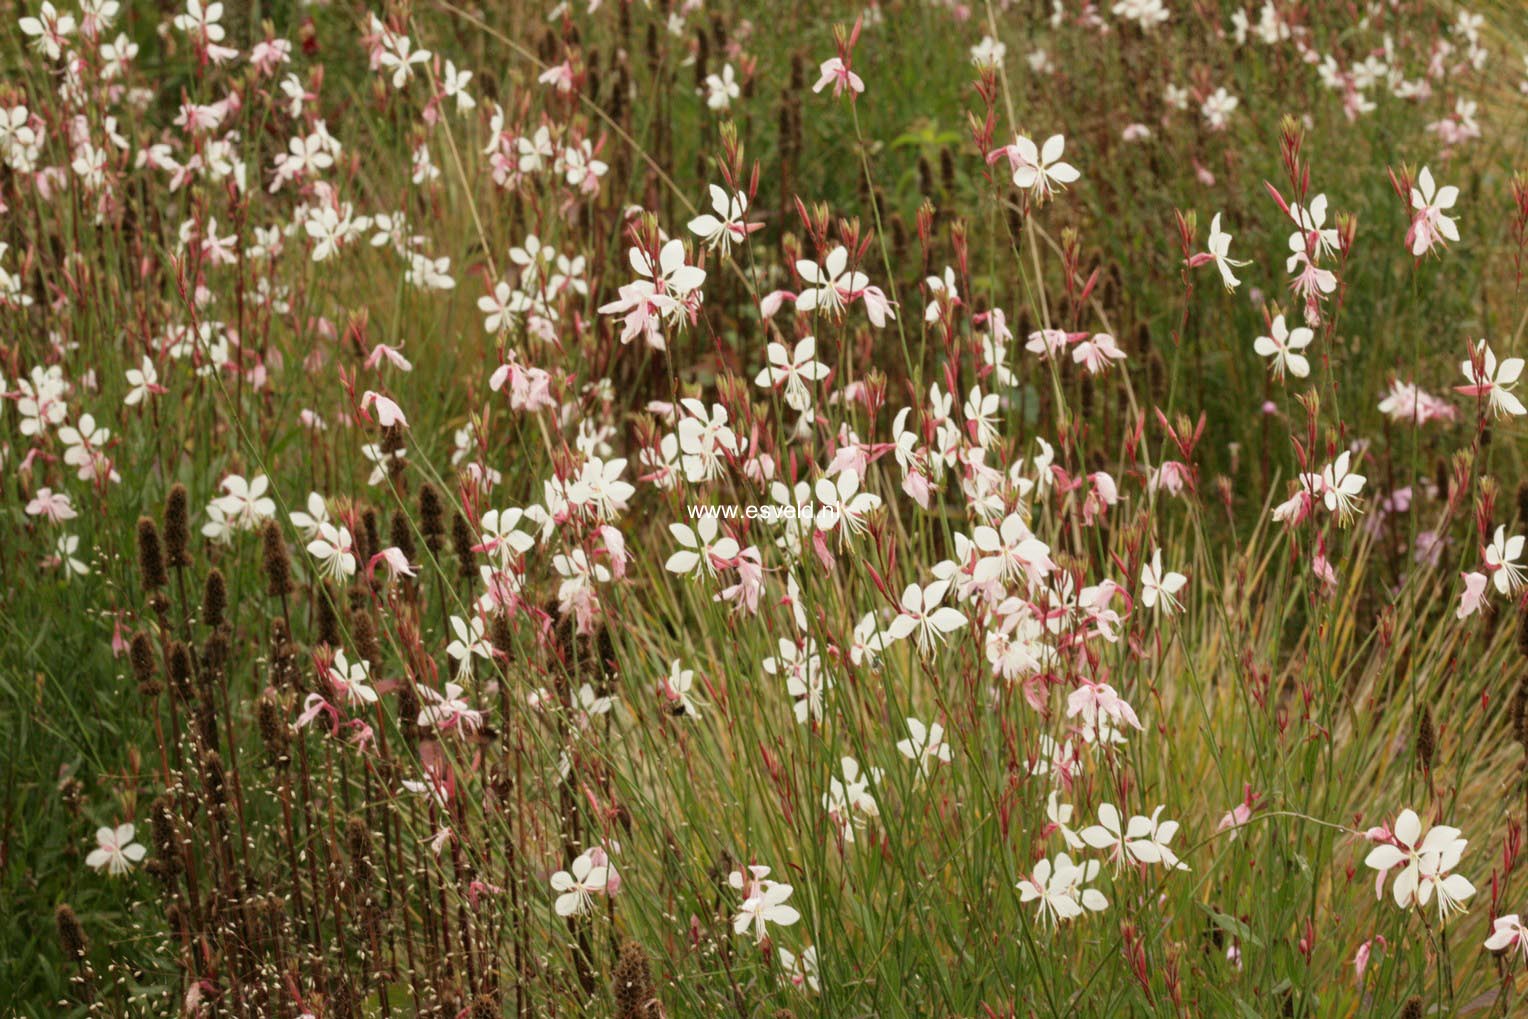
(246, 208)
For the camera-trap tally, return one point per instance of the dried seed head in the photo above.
(140, 652)
(162, 828)
(631, 983)
(286, 672)
(1522, 630)
(364, 633)
(276, 565)
(1427, 739)
(215, 599)
(1520, 713)
(177, 527)
(1412, 1009)
(408, 713)
(462, 542)
(179, 669)
(70, 934)
(214, 657)
(432, 518)
(328, 621)
(401, 535)
(366, 540)
(216, 780)
(272, 732)
(359, 837)
(500, 634)
(150, 556)
(72, 792)
(206, 713)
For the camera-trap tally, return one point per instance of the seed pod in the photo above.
(364, 633)
(272, 732)
(368, 543)
(328, 621)
(150, 556)
(408, 713)
(216, 781)
(286, 673)
(402, 536)
(177, 528)
(215, 599)
(140, 652)
(462, 542)
(1412, 1009)
(179, 669)
(1427, 739)
(1522, 631)
(1520, 713)
(631, 984)
(359, 837)
(70, 934)
(275, 564)
(214, 657)
(432, 518)
(162, 828)
(500, 634)
(71, 791)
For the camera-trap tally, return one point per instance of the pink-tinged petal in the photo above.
(1408, 827)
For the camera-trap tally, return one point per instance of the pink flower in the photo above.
(1473, 596)
(834, 71)
(388, 412)
(115, 851)
(53, 505)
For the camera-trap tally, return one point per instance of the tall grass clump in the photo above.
(692, 509)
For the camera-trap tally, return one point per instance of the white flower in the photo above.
(832, 286)
(1429, 222)
(335, 551)
(1506, 932)
(1284, 348)
(1504, 562)
(726, 227)
(115, 850)
(1425, 861)
(468, 645)
(1494, 381)
(700, 549)
(454, 83)
(1041, 170)
(144, 380)
(722, 89)
(675, 689)
(795, 369)
(923, 614)
(1160, 588)
(308, 522)
(1218, 107)
(65, 549)
(398, 56)
(1142, 840)
(840, 500)
(351, 680)
(765, 904)
(1059, 889)
(1219, 248)
(924, 745)
(1339, 487)
(578, 885)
